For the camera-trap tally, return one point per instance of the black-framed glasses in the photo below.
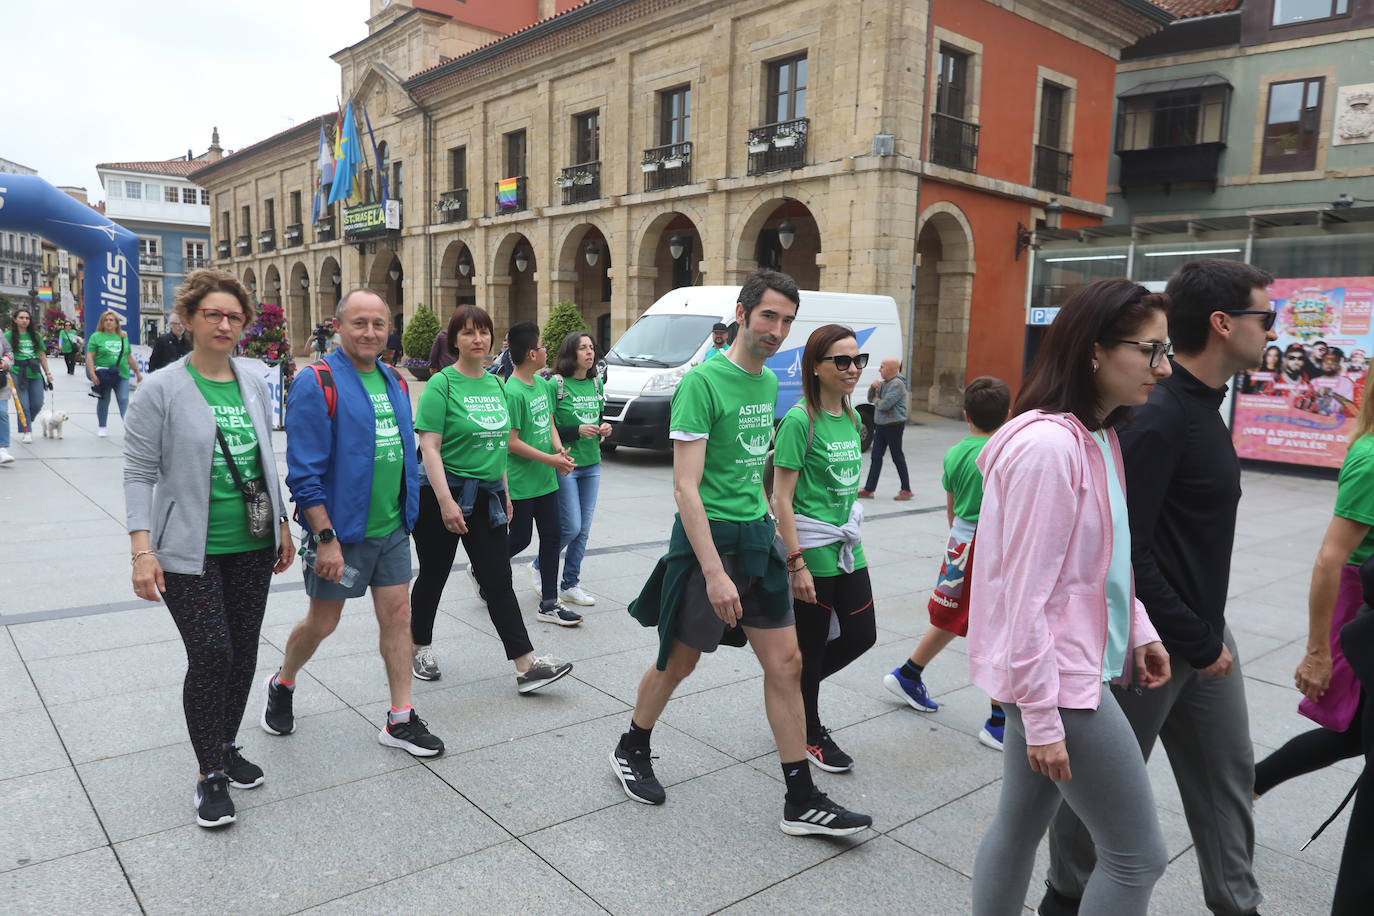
(843, 361)
(1270, 316)
(1158, 350)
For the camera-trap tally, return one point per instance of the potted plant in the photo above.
(418, 340)
(674, 161)
(564, 181)
(758, 145)
(650, 164)
(785, 138)
(582, 178)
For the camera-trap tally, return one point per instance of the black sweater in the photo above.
(1182, 488)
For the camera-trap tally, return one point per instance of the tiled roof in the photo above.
(503, 38)
(1190, 9)
(179, 167)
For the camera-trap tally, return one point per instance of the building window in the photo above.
(515, 154)
(195, 253)
(148, 247)
(1291, 126)
(952, 90)
(675, 115)
(152, 291)
(116, 189)
(458, 167)
(247, 220)
(295, 207)
(383, 163)
(269, 214)
(188, 195)
(152, 191)
(587, 137)
(787, 89)
(1053, 102)
(1291, 12)
(204, 198)
(396, 176)
(224, 229)
(1172, 119)
(169, 194)
(133, 190)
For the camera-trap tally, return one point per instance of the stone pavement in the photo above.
(522, 813)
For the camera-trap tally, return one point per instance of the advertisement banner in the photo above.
(371, 219)
(1299, 405)
(268, 372)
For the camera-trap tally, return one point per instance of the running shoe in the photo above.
(574, 594)
(424, 665)
(476, 588)
(536, 583)
(277, 718)
(411, 736)
(991, 735)
(826, 754)
(242, 774)
(214, 807)
(635, 770)
(543, 671)
(1056, 904)
(819, 816)
(5, 456)
(27, 438)
(560, 615)
(912, 691)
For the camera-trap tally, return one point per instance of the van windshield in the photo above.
(661, 340)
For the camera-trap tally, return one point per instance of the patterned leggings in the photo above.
(219, 615)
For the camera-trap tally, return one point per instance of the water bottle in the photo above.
(307, 552)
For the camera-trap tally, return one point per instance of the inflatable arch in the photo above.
(110, 252)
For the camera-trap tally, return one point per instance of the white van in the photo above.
(673, 335)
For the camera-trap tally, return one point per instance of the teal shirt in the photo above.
(1119, 572)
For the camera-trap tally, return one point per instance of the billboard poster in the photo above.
(1299, 405)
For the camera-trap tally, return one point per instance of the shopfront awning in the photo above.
(1176, 85)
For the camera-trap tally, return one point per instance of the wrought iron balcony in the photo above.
(243, 244)
(324, 229)
(668, 166)
(452, 205)
(150, 262)
(953, 142)
(1053, 168)
(267, 240)
(293, 235)
(1163, 166)
(514, 199)
(195, 263)
(222, 249)
(580, 183)
(780, 146)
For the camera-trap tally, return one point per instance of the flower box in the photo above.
(563, 181)
(758, 146)
(647, 167)
(674, 162)
(582, 178)
(785, 141)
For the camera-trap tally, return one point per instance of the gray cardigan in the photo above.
(5, 351)
(169, 440)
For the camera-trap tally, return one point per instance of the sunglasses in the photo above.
(1270, 316)
(1157, 350)
(844, 361)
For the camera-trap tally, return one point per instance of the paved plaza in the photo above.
(522, 813)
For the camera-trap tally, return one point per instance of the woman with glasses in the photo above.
(816, 458)
(109, 349)
(207, 528)
(1053, 615)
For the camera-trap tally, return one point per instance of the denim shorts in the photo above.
(380, 562)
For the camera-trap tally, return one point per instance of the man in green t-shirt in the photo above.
(721, 424)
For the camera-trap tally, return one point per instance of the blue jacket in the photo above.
(329, 462)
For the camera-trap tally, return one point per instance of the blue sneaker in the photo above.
(991, 735)
(913, 692)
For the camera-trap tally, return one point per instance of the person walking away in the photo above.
(30, 371)
(888, 397)
(109, 361)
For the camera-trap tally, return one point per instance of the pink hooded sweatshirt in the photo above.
(1037, 628)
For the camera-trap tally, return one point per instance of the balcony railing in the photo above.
(667, 166)
(190, 263)
(1053, 168)
(512, 198)
(953, 142)
(267, 240)
(243, 245)
(581, 182)
(780, 146)
(222, 249)
(452, 205)
(1163, 166)
(150, 261)
(324, 229)
(293, 235)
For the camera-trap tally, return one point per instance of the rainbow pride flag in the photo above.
(507, 192)
(45, 293)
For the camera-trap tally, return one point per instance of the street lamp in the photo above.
(787, 233)
(522, 260)
(676, 246)
(305, 281)
(591, 253)
(338, 278)
(1054, 211)
(395, 272)
(464, 264)
(276, 284)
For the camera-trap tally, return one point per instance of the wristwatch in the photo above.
(324, 536)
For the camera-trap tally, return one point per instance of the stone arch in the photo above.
(270, 293)
(938, 361)
(250, 282)
(512, 294)
(328, 291)
(755, 243)
(454, 288)
(574, 280)
(659, 271)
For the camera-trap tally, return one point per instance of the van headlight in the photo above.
(665, 382)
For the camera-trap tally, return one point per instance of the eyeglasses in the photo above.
(1158, 350)
(844, 361)
(214, 316)
(1270, 316)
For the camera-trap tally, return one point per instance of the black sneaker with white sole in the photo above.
(826, 754)
(819, 816)
(559, 615)
(242, 774)
(214, 807)
(411, 736)
(277, 718)
(543, 671)
(635, 770)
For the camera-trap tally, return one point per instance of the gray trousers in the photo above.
(1109, 788)
(1205, 727)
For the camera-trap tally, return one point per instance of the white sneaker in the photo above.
(476, 589)
(536, 582)
(27, 438)
(575, 595)
(102, 432)
(5, 456)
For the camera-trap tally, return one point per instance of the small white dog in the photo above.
(50, 421)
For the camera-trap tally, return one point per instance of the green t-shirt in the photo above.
(734, 410)
(470, 415)
(24, 349)
(67, 341)
(828, 478)
(962, 477)
(1355, 493)
(531, 412)
(580, 404)
(388, 461)
(228, 531)
(108, 350)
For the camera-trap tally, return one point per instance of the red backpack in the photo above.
(325, 376)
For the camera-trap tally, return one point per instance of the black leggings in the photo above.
(850, 595)
(1311, 751)
(71, 362)
(1355, 882)
(219, 615)
(436, 547)
(541, 513)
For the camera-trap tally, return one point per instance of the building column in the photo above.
(951, 338)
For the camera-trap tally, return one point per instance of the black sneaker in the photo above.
(543, 671)
(819, 816)
(241, 773)
(411, 736)
(635, 770)
(1056, 904)
(826, 754)
(214, 807)
(277, 718)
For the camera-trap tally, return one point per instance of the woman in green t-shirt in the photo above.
(109, 349)
(69, 342)
(816, 458)
(30, 369)
(199, 435)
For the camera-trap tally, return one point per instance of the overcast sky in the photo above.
(90, 81)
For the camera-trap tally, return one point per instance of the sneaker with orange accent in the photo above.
(903, 495)
(822, 750)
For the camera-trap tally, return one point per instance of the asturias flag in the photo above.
(349, 157)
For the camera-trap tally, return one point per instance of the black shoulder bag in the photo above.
(256, 500)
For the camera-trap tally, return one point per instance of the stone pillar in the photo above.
(951, 337)
(494, 296)
(638, 284)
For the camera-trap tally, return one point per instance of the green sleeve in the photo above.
(517, 407)
(1355, 490)
(432, 406)
(691, 409)
(945, 482)
(789, 442)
